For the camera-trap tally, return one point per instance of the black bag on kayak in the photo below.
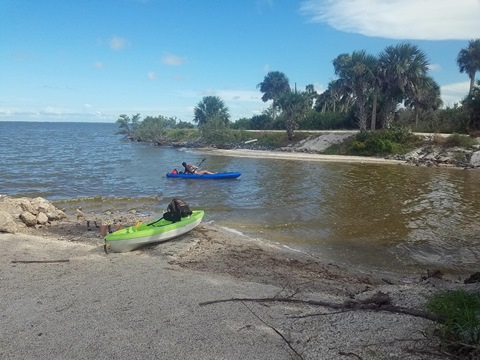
(176, 210)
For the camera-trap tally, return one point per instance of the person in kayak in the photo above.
(192, 169)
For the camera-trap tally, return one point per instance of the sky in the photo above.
(92, 61)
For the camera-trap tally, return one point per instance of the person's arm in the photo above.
(190, 169)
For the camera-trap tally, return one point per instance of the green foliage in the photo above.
(328, 120)
(381, 142)
(256, 122)
(460, 312)
(449, 120)
(273, 86)
(127, 125)
(337, 149)
(175, 135)
(468, 60)
(471, 106)
(209, 108)
(455, 140)
(184, 125)
(294, 106)
(261, 122)
(241, 124)
(150, 129)
(217, 133)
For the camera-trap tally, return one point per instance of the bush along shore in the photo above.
(419, 149)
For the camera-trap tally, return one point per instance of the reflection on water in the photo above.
(388, 217)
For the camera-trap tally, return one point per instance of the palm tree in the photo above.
(468, 61)
(402, 67)
(471, 104)
(426, 96)
(312, 94)
(357, 72)
(273, 86)
(294, 106)
(211, 107)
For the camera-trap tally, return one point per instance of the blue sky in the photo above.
(74, 60)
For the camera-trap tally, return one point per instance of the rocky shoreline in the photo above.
(429, 154)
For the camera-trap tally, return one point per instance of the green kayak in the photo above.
(141, 234)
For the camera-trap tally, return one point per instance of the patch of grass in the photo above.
(337, 149)
(455, 140)
(460, 314)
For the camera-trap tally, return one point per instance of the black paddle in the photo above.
(201, 162)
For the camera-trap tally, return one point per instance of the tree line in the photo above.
(369, 93)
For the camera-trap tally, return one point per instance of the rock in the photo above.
(26, 205)
(42, 205)
(30, 212)
(474, 278)
(56, 215)
(28, 218)
(7, 224)
(42, 219)
(475, 159)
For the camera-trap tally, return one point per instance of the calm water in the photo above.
(386, 217)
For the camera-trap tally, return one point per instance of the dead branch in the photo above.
(276, 331)
(39, 261)
(378, 302)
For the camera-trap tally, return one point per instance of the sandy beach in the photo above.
(63, 298)
(290, 155)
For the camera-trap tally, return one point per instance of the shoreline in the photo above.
(57, 283)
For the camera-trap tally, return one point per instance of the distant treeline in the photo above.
(369, 93)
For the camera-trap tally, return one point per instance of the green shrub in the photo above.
(381, 142)
(459, 140)
(328, 120)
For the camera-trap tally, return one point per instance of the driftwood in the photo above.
(378, 302)
(39, 261)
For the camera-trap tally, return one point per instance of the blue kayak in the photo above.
(224, 175)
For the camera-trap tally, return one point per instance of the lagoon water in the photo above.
(367, 216)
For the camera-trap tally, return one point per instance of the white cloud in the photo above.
(118, 43)
(152, 75)
(399, 19)
(235, 95)
(454, 93)
(98, 65)
(174, 60)
(241, 103)
(52, 110)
